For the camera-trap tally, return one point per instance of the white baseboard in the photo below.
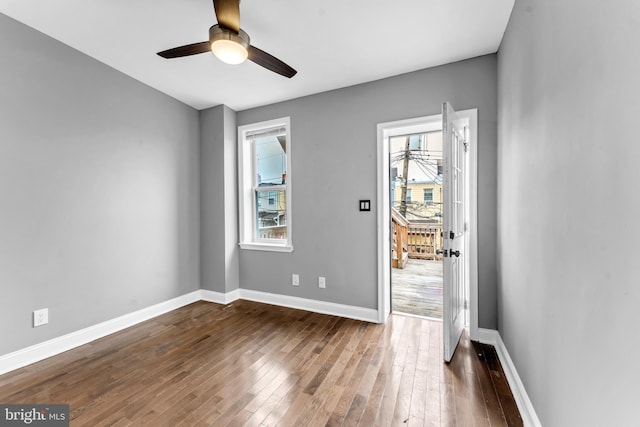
(487, 336)
(37, 352)
(43, 350)
(527, 411)
(348, 311)
(219, 297)
(52, 347)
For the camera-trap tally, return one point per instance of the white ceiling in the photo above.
(332, 43)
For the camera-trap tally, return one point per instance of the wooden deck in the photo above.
(254, 364)
(417, 288)
(411, 239)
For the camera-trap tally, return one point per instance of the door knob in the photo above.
(454, 253)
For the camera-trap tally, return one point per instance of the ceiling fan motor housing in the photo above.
(227, 45)
(217, 32)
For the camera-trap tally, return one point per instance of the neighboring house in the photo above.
(422, 154)
(424, 200)
(272, 216)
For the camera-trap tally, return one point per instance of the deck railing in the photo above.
(399, 239)
(273, 232)
(413, 240)
(424, 240)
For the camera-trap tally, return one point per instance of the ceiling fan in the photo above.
(229, 43)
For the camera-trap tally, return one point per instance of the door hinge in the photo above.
(466, 146)
(466, 304)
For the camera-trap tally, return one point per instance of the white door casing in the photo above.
(403, 127)
(385, 132)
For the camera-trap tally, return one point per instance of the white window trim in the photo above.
(246, 187)
(424, 192)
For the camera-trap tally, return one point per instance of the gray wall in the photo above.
(568, 207)
(102, 178)
(333, 137)
(219, 199)
(99, 190)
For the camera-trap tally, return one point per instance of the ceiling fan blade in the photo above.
(270, 62)
(187, 50)
(228, 13)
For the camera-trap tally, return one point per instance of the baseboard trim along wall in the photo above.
(52, 347)
(219, 297)
(527, 412)
(348, 311)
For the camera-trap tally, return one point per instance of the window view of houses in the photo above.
(270, 191)
(416, 165)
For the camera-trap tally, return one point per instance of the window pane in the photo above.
(271, 160)
(415, 142)
(271, 215)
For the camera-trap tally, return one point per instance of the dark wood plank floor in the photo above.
(259, 365)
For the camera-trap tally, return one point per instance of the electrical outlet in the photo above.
(295, 279)
(322, 282)
(40, 317)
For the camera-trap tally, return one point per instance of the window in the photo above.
(427, 196)
(265, 185)
(416, 142)
(408, 195)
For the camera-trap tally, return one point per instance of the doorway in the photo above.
(426, 124)
(416, 199)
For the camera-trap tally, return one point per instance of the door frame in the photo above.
(416, 125)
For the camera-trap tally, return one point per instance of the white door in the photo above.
(454, 154)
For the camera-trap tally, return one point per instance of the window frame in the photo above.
(421, 141)
(248, 185)
(426, 191)
(271, 197)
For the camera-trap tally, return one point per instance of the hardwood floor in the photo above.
(259, 365)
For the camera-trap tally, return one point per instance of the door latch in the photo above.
(448, 253)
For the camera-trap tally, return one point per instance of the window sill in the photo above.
(266, 247)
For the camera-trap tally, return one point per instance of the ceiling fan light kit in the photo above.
(229, 43)
(229, 47)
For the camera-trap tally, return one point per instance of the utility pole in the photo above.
(405, 176)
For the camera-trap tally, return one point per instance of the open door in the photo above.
(454, 150)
